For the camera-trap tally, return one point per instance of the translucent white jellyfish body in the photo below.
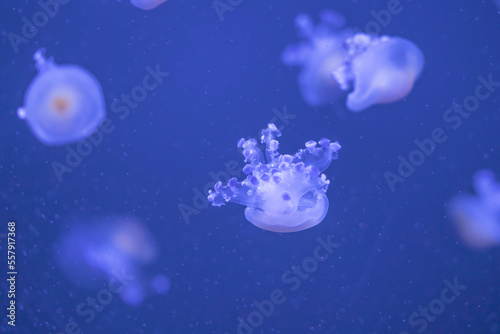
(477, 218)
(381, 69)
(147, 4)
(286, 194)
(319, 54)
(63, 104)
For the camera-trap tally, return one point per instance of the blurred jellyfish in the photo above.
(381, 69)
(147, 4)
(477, 218)
(286, 194)
(116, 250)
(63, 104)
(160, 284)
(319, 54)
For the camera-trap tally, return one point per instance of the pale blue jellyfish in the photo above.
(319, 54)
(63, 104)
(147, 4)
(107, 249)
(477, 218)
(286, 194)
(381, 70)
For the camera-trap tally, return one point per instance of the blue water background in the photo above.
(226, 77)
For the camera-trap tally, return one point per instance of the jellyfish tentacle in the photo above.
(332, 18)
(41, 62)
(318, 53)
(319, 154)
(488, 189)
(305, 25)
(251, 152)
(268, 137)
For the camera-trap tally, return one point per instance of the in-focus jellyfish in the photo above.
(63, 104)
(102, 250)
(381, 70)
(319, 54)
(477, 218)
(286, 194)
(147, 4)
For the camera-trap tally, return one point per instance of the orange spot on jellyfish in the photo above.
(63, 104)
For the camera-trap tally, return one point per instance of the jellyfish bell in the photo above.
(381, 70)
(477, 218)
(282, 215)
(63, 104)
(133, 238)
(147, 4)
(477, 225)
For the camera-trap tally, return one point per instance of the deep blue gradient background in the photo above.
(225, 79)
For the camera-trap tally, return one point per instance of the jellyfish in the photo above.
(381, 70)
(63, 104)
(147, 4)
(477, 218)
(286, 194)
(101, 250)
(319, 54)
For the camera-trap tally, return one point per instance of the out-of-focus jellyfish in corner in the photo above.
(319, 54)
(117, 250)
(63, 104)
(381, 70)
(286, 194)
(147, 4)
(477, 218)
